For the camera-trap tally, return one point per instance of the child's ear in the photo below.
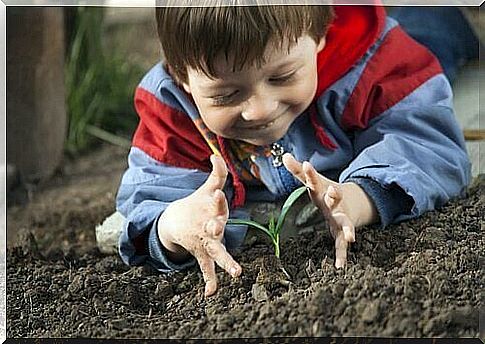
(321, 44)
(186, 87)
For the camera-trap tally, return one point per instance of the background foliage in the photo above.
(99, 84)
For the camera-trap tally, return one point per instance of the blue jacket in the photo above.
(384, 120)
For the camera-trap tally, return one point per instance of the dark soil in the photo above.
(421, 278)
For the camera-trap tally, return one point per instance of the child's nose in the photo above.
(259, 108)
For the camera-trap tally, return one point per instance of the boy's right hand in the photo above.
(195, 225)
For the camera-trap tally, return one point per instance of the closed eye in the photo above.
(224, 98)
(282, 78)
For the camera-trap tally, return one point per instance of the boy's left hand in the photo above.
(345, 206)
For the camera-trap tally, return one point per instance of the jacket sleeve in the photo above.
(146, 190)
(409, 150)
(169, 160)
(416, 146)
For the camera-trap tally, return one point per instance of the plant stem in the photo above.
(276, 242)
(107, 136)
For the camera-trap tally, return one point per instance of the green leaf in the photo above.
(99, 83)
(271, 225)
(250, 223)
(288, 203)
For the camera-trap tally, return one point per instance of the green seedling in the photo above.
(274, 228)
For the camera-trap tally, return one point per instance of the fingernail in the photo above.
(206, 291)
(233, 271)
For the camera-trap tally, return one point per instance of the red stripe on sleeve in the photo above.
(168, 135)
(398, 67)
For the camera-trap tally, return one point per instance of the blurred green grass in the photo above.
(100, 84)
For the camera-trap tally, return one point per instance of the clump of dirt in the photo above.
(421, 278)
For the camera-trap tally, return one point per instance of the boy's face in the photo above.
(259, 103)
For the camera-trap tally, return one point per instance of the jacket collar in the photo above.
(354, 30)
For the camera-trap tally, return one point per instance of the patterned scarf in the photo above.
(238, 154)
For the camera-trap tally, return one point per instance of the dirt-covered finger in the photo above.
(219, 204)
(294, 167)
(217, 177)
(217, 251)
(347, 227)
(208, 269)
(312, 177)
(349, 233)
(214, 227)
(332, 197)
(340, 250)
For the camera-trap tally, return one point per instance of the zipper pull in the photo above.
(277, 152)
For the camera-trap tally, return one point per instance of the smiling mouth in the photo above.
(260, 127)
(264, 126)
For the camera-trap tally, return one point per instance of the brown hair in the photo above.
(194, 36)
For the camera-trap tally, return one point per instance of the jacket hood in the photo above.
(354, 30)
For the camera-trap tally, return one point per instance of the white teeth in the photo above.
(266, 125)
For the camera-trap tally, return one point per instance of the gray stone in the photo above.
(261, 211)
(108, 233)
(309, 215)
(259, 292)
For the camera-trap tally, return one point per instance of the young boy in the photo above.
(252, 102)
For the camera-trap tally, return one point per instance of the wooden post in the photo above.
(36, 109)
